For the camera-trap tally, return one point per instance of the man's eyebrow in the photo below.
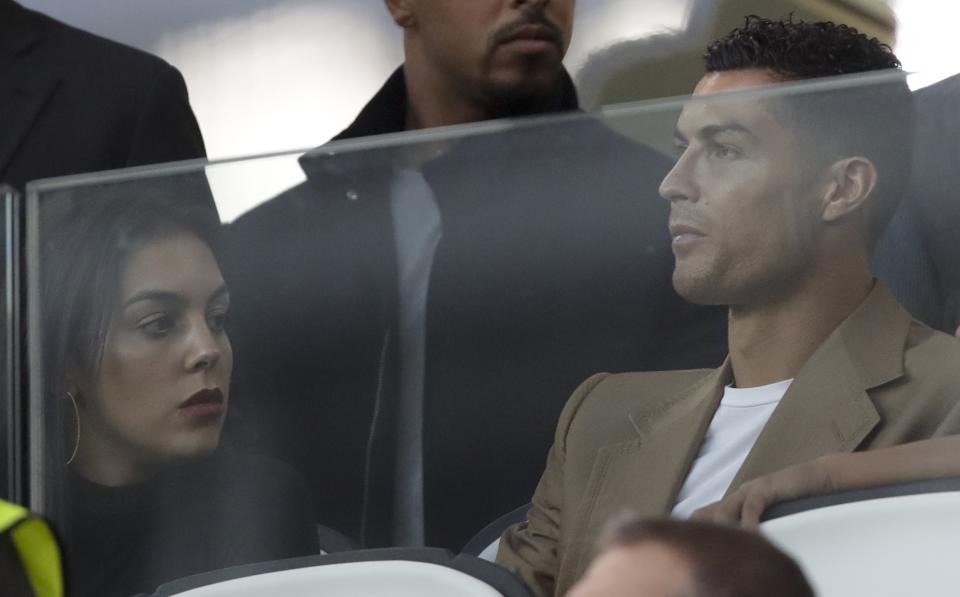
(711, 131)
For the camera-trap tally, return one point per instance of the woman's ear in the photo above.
(850, 182)
(402, 12)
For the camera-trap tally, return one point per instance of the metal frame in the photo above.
(13, 416)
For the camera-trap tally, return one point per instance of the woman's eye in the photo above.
(218, 321)
(157, 325)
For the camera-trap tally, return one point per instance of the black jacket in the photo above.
(933, 189)
(72, 102)
(916, 257)
(554, 263)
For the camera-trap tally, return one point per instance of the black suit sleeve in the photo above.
(166, 129)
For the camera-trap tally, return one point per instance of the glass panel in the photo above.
(397, 322)
(10, 417)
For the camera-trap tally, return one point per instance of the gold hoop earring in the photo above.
(76, 414)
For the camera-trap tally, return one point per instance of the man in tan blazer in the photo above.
(776, 201)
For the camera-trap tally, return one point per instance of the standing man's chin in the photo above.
(525, 95)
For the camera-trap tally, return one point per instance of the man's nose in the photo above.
(677, 185)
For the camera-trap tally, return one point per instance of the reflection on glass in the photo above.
(548, 257)
(138, 363)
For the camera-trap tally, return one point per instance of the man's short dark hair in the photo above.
(872, 119)
(725, 561)
(796, 50)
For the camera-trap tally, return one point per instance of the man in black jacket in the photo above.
(72, 102)
(409, 319)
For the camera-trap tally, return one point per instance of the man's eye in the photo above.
(725, 152)
(157, 325)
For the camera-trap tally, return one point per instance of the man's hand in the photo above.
(745, 505)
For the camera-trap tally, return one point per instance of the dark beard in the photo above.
(515, 102)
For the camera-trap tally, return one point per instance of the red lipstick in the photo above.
(206, 403)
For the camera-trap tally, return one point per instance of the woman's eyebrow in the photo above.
(154, 295)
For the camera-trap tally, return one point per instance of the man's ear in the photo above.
(402, 12)
(850, 182)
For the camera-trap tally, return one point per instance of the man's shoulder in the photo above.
(603, 404)
(282, 209)
(88, 52)
(595, 140)
(78, 47)
(644, 385)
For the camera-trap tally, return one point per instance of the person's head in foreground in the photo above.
(136, 355)
(777, 192)
(673, 558)
(483, 58)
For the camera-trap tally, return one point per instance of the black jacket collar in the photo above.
(386, 112)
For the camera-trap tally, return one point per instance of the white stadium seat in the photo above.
(395, 572)
(899, 546)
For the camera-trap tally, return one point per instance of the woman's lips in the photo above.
(206, 403)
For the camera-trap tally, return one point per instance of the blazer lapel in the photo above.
(828, 408)
(645, 474)
(25, 85)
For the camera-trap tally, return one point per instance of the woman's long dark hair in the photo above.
(86, 235)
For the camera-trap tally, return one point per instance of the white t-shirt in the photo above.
(741, 416)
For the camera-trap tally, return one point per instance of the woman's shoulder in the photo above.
(261, 474)
(269, 500)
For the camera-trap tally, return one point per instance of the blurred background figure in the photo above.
(671, 558)
(138, 363)
(72, 102)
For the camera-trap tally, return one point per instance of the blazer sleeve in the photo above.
(166, 129)
(531, 549)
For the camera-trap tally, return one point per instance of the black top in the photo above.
(224, 511)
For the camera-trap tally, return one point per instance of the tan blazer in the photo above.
(627, 441)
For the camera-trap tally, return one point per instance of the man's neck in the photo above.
(772, 341)
(433, 101)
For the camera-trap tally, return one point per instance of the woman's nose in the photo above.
(203, 349)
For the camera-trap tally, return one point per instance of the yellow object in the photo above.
(37, 547)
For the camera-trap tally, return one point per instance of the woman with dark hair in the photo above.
(138, 361)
